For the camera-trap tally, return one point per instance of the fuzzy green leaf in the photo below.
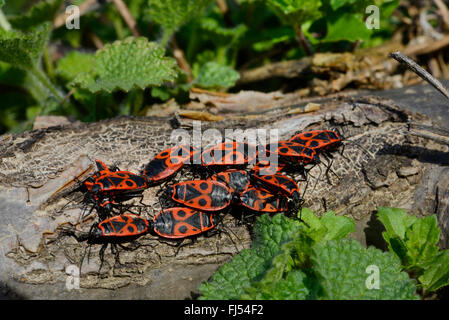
(44, 11)
(73, 64)
(127, 64)
(172, 14)
(342, 269)
(293, 287)
(24, 50)
(212, 25)
(214, 75)
(295, 12)
(249, 265)
(329, 227)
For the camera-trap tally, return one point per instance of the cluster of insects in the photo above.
(192, 207)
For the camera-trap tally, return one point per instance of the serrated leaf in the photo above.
(249, 265)
(342, 269)
(212, 25)
(73, 64)
(127, 64)
(295, 12)
(214, 75)
(24, 49)
(421, 241)
(229, 280)
(44, 11)
(329, 227)
(339, 3)
(291, 288)
(436, 274)
(172, 14)
(396, 222)
(339, 227)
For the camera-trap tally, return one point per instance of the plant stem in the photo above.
(166, 35)
(4, 22)
(303, 40)
(48, 64)
(41, 76)
(127, 16)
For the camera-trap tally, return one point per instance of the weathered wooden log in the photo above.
(383, 164)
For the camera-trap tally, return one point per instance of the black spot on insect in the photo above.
(183, 229)
(202, 202)
(181, 213)
(204, 186)
(129, 183)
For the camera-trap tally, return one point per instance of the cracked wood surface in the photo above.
(382, 165)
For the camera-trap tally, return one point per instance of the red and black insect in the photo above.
(319, 140)
(237, 180)
(119, 182)
(121, 227)
(115, 231)
(229, 153)
(292, 152)
(266, 167)
(206, 195)
(261, 200)
(107, 188)
(168, 162)
(182, 222)
(279, 183)
(102, 170)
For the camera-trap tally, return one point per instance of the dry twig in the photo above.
(412, 65)
(127, 16)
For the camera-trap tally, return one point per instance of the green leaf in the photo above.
(230, 280)
(413, 240)
(295, 12)
(2, 3)
(343, 25)
(214, 75)
(293, 287)
(338, 227)
(73, 64)
(436, 274)
(172, 14)
(270, 37)
(396, 222)
(44, 11)
(422, 240)
(127, 64)
(24, 49)
(329, 227)
(339, 3)
(343, 269)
